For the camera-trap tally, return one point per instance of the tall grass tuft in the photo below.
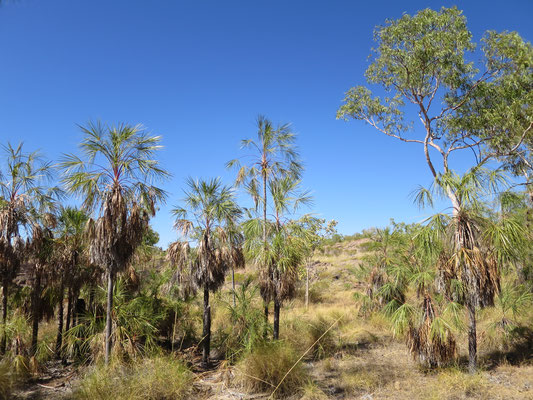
(158, 378)
(262, 369)
(7, 379)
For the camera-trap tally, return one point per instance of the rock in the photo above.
(397, 385)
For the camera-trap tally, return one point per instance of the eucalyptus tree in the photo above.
(116, 177)
(423, 64)
(287, 245)
(24, 179)
(208, 219)
(70, 252)
(272, 155)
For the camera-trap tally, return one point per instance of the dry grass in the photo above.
(6, 380)
(263, 369)
(157, 378)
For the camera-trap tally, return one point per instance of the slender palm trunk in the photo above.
(174, 327)
(277, 307)
(265, 303)
(206, 334)
(472, 339)
(233, 285)
(307, 286)
(59, 339)
(36, 306)
(3, 343)
(108, 322)
(92, 291)
(69, 309)
(265, 330)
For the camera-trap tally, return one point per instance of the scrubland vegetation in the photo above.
(268, 301)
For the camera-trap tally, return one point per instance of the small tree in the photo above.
(474, 247)
(273, 156)
(116, 179)
(287, 245)
(209, 217)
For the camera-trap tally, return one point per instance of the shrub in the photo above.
(247, 322)
(156, 378)
(264, 367)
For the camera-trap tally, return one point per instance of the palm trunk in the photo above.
(277, 307)
(233, 285)
(472, 339)
(59, 339)
(265, 243)
(206, 334)
(3, 343)
(92, 290)
(69, 309)
(174, 327)
(265, 331)
(307, 286)
(36, 300)
(108, 322)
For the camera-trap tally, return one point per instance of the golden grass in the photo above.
(265, 367)
(156, 378)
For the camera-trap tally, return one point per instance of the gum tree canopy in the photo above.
(426, 64)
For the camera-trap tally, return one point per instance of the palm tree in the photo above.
(116, 179)
(69, 252)
(40, 249)
(475, 247)
(286, 247)
(273, 156)
(208, 218)
(22, 191)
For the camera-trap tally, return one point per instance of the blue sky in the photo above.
(199, 72)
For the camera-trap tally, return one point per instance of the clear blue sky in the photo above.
(199, 72)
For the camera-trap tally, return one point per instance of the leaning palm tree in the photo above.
(116, 178)
(273, 156)
(23, 179)
(209, 217)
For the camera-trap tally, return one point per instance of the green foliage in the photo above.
(246, 323)
(136, 320)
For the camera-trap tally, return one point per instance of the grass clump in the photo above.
(158, 378)
(262, 369)
(366, 377)
(453, 383)
(311, 391)
(6, 380)
(321, 337)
